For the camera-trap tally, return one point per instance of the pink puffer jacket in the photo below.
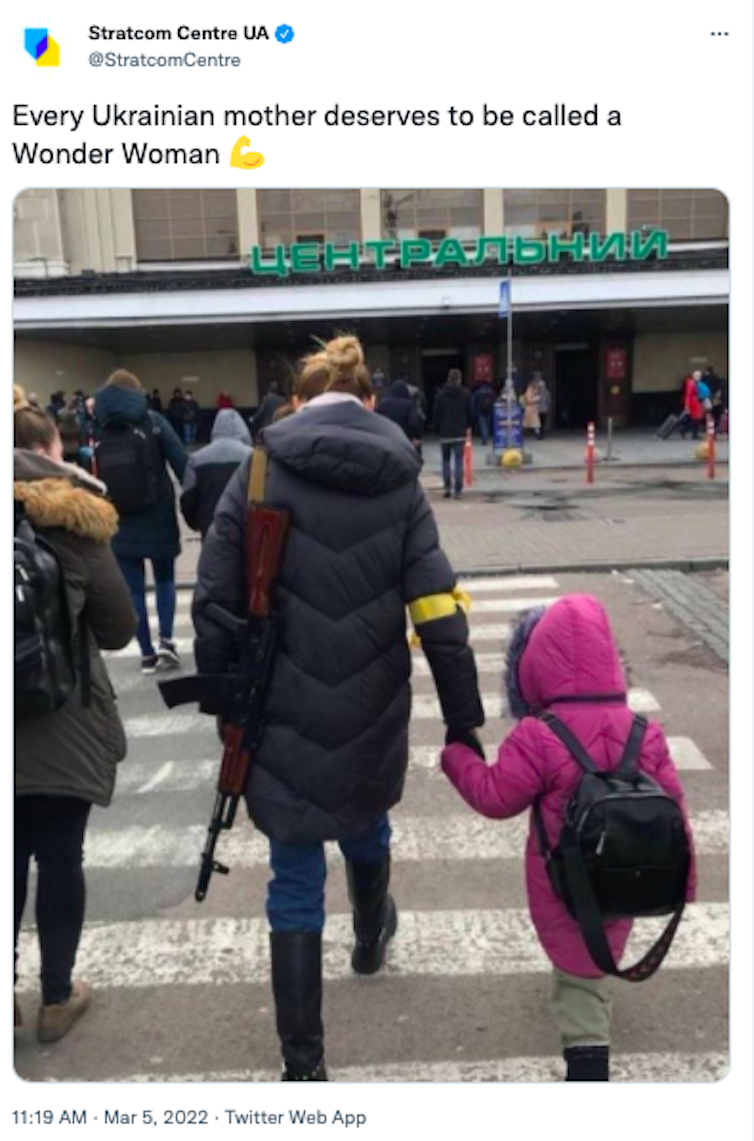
(571, 653)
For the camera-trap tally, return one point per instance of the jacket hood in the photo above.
(230, 425)
(114, 403)
(344, 446)
(62, 495)
(570, 652)
(400, 389)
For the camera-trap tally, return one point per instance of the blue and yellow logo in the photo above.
(42, 47)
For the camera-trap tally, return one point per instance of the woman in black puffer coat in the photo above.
(363, 547)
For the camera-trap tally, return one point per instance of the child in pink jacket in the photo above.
(563, 659)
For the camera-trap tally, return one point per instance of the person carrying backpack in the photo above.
(133, 447)
(564, 673)
(70, 602)
(484, 402)
(209, 470)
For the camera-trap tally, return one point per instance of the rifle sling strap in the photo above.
(257, 475)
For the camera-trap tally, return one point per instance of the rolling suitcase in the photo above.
(668, 427)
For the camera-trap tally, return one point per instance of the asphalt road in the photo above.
(182, 991)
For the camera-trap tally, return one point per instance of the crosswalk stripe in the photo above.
(659, 1067)
(456, 836)
(139, 778)
(425, 707)
(475, 586)
(447, 944)
(506, 605)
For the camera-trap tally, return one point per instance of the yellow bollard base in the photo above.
(512, 458)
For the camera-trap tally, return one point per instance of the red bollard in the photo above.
(590, 452)
(710, 447)
(468, 462)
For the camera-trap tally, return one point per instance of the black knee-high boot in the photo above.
(297, 987)
(375, 919)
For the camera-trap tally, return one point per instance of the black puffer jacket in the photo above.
(363, 545)
(208, 470)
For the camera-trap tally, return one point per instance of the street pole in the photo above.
(509, 368)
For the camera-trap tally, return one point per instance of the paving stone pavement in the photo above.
(691, 601)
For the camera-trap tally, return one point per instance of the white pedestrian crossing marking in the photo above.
(666, 1067)
(416, 839)
(425, 707)
(474, 586)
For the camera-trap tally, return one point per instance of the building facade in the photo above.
(161, 282)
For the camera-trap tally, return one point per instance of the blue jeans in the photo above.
(189, 432)
(484, 423)
(296, 893)
(455, 447)
(133, 571)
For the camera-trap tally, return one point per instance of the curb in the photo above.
(600, 566)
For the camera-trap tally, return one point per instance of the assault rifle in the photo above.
(241, 694)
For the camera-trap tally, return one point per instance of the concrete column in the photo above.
(248, 221)
(124, 232)
(494, 212)
(371, 215)
(616, 212)
(39, 247)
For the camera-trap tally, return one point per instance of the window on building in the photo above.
(185, 225)
(539, 213)
(685, 214)
(287, 216)
(433, 214)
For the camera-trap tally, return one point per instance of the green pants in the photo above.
(582, 1010)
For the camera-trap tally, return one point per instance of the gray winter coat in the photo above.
(208, 470)
(74, 752)
(363, 546)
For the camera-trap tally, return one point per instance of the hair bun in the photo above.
(19, 399)
(344, 354)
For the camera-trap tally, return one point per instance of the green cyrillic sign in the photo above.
(314, 257)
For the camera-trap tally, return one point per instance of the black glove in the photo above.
(467, 737)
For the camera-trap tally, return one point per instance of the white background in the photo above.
(686, 102)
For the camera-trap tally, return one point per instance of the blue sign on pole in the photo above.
(504, 304)
(507, 426)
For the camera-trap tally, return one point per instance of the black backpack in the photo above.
(128, 460)
(44, 656)
(623, 852)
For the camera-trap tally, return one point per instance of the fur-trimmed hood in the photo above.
(62, 495)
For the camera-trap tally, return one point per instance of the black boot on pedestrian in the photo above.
(375, 919)
(587, 1063)
(297, 987)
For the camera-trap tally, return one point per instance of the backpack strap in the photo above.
(574, 746)
(628, 765)
(593, 929)
(257, 475)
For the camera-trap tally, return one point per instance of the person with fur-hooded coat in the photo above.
(66, 761)
(563, 659)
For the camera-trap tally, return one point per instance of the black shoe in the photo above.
(168, 654)
(446, 493)
(375, 918)
(587, 1063)
(297, 987)
(149, 663)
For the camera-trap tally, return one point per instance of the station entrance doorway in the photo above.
(576, 385)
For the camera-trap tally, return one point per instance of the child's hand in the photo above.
(467, 737)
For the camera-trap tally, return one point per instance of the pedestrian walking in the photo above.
(70, 428)
(265, 414)
(692, 406)
(484, 404)
(65, 754)
(718, 396)
(176, 410)
(224, 400)
(133, 447)
(545, 403)
(454, 421)
(155, 401)
(531, 400)
(564, 661)
(362, 546)
(399, 407)
(190, 419)
(209, 470)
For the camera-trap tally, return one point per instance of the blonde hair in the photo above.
(337, 367)
(124, 379)
(32, 428)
